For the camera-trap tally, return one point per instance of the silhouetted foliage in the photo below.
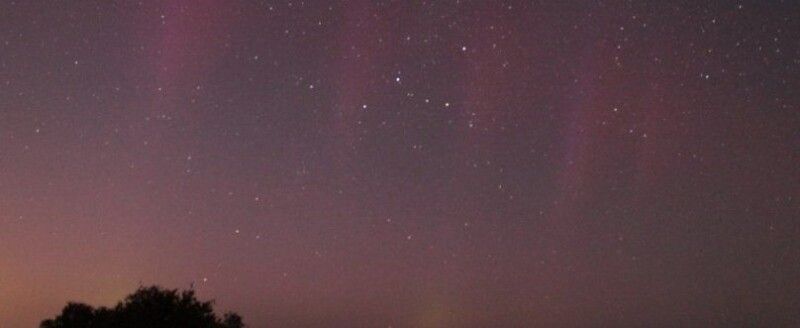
(148, 307)
(74, 315)
(232, 320)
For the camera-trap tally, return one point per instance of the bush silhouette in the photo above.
(148, 307)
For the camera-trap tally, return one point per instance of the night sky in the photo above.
(405, 164)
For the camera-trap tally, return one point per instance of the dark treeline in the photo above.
(148, 307)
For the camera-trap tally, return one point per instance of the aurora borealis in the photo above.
(405, 163)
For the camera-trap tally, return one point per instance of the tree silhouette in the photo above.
(150, 307)
(232, 320)
(74, 315)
